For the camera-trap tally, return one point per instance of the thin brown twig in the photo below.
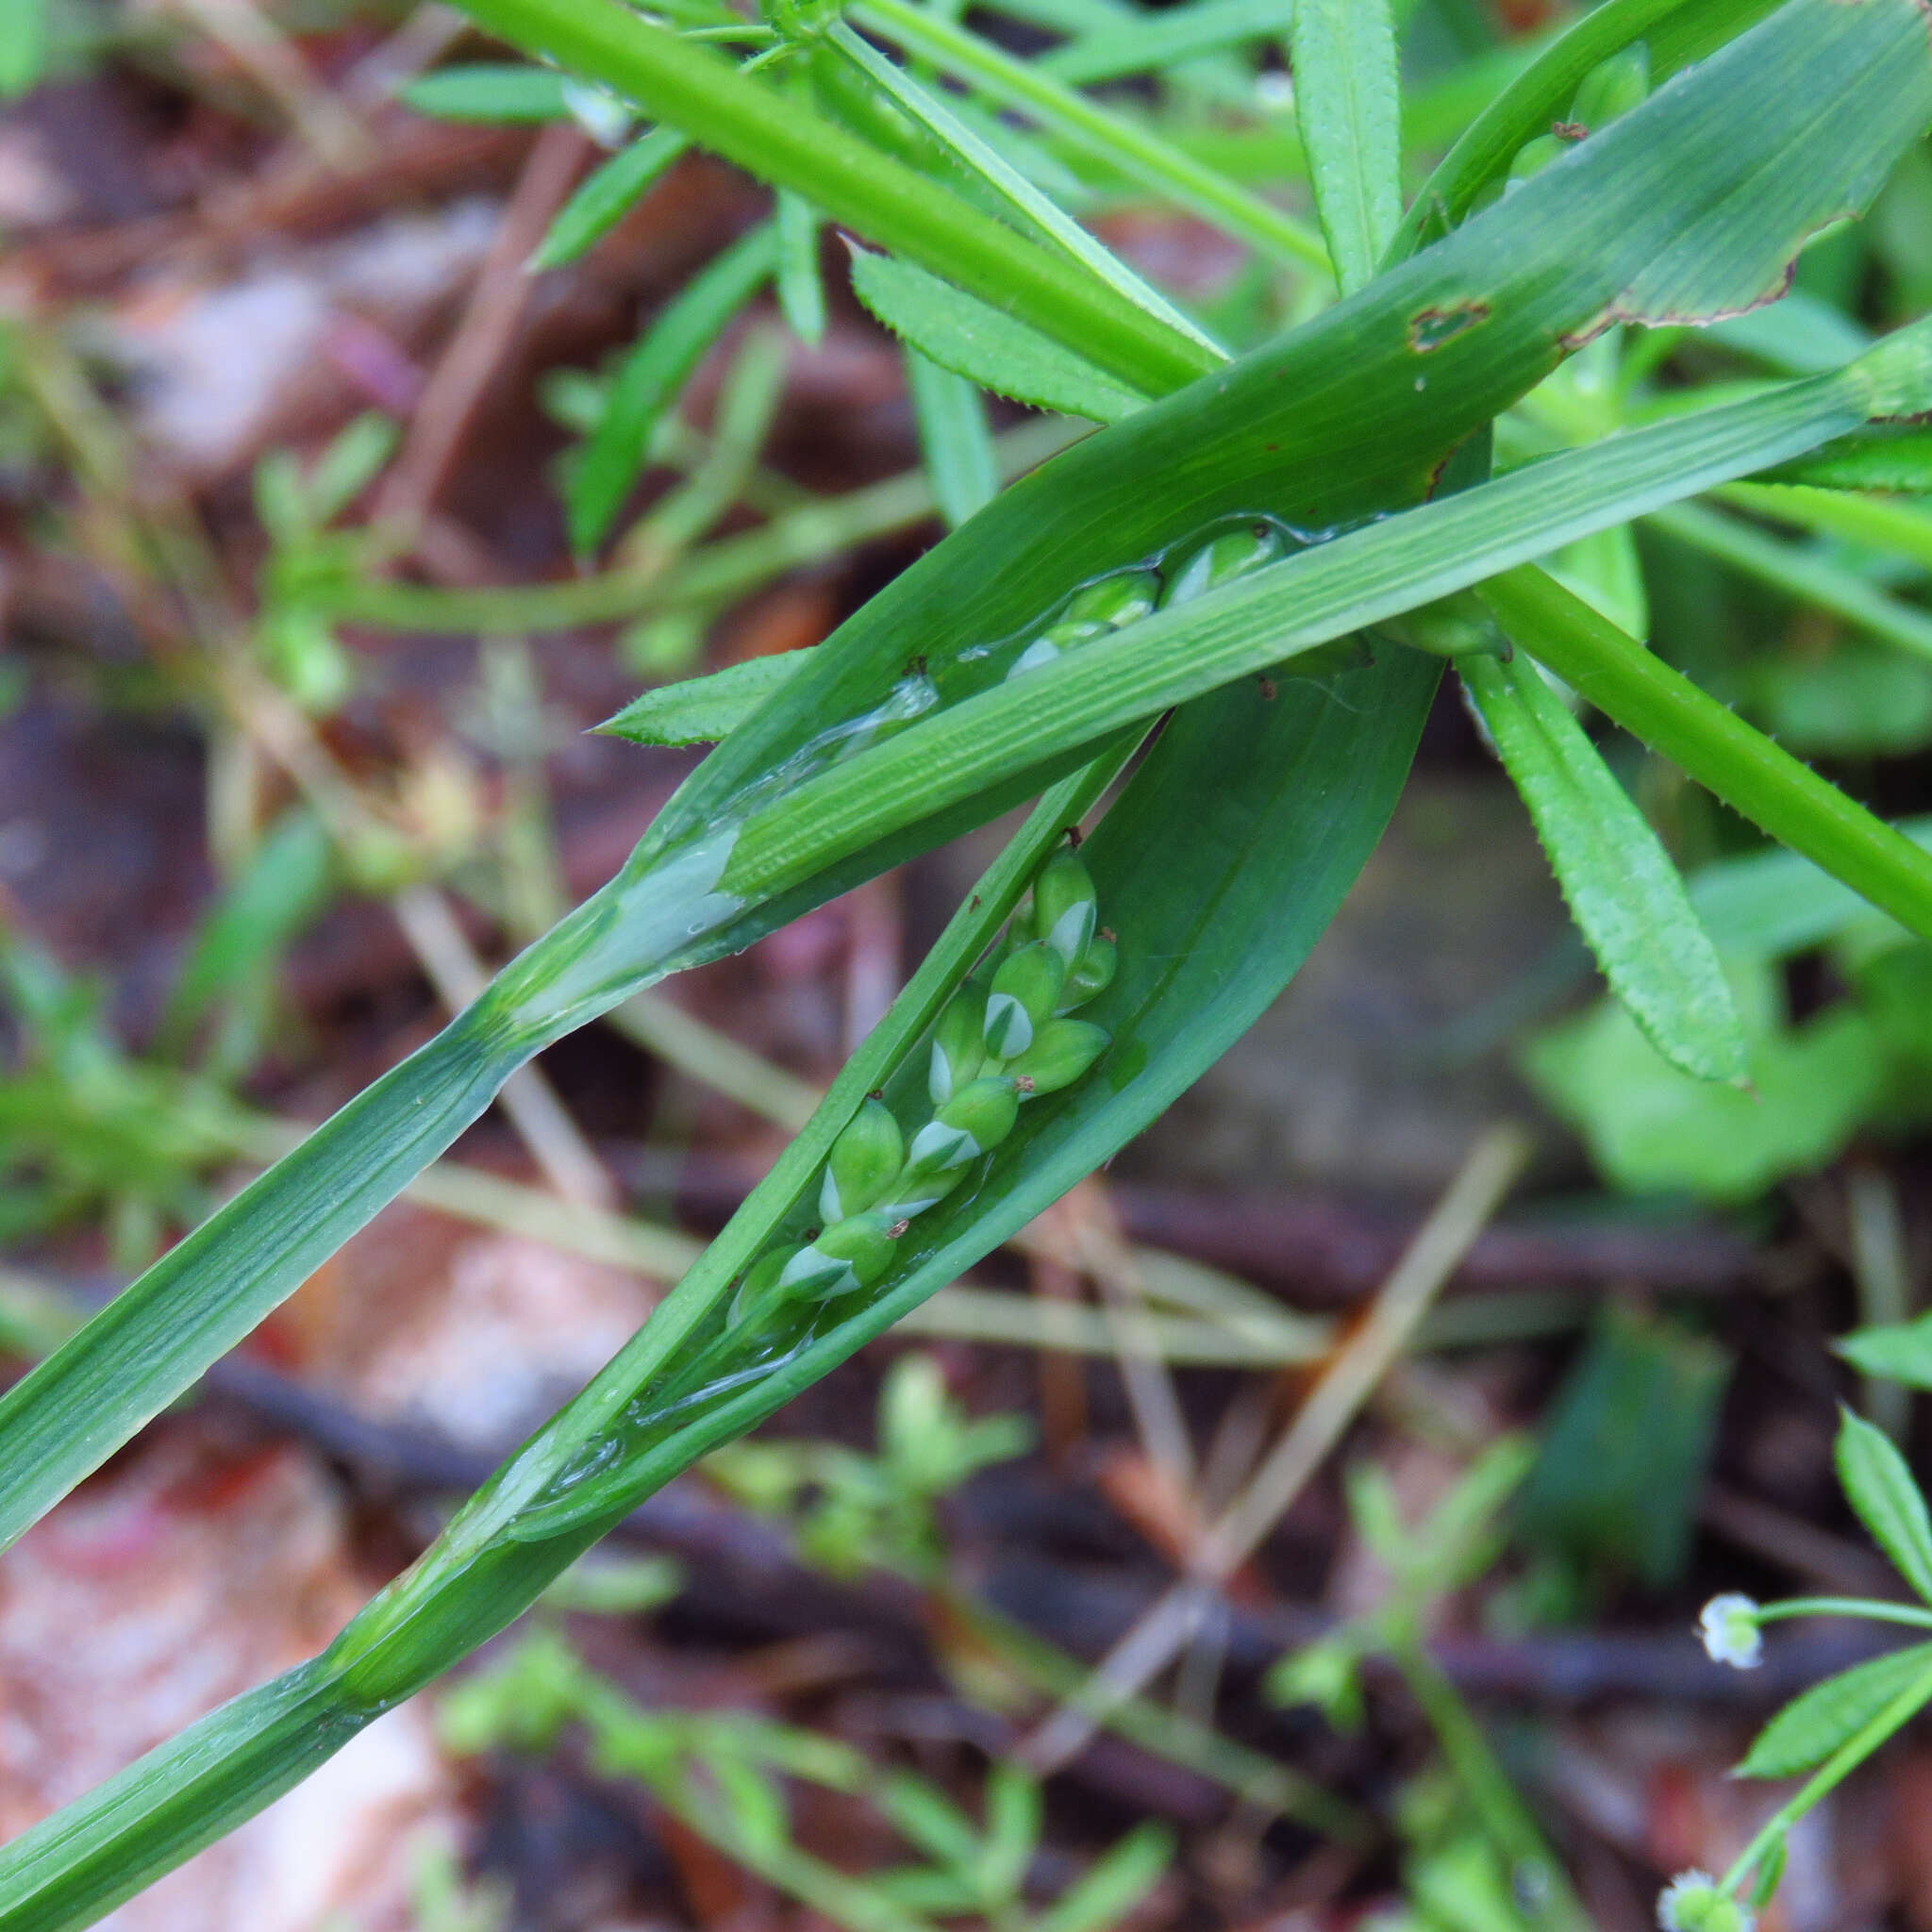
(488, 327)
(1440, 1244)
(542, 1120)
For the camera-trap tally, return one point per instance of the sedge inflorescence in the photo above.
(1004, 1038)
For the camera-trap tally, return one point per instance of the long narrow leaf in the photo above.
(1809, 1729)
(1879, 1484)
(1625, 894)
(953, 440)
(1207, 936)
(850, 182)
(1348, 105)
(982, 345)
(1320, 594)
(651, 377)
(606, 195)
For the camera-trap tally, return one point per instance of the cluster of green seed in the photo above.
(1005, 1038)
(1002, 1039)
(1111, 603)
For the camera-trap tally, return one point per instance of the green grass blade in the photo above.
(606, 195)
(1348, 104)
(84, 1859)
(67, 1415)
(1281, 430)
(1208, 939)
(1320, 594)
(651, 377)
(1620, 886)
(978, 341)
(1677, 33)
(1877, 522)
(1805, 579)
(801, 288)
(953, 440)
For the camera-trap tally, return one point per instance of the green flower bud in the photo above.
(853, 1252)
(958, 1045)
(979, 1116)
(865, 1161)
(1116, 600)
(1221, 558)
(1061, 1052)
(1022, 995)
(1092, 974)
(760, 1281)
(1064, 907)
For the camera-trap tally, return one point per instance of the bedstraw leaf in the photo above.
(1809, 1729)
(490, 91)
(23, 45)
(975, 340)
(801, 290)
(953, 440)
(702, 711)
(1900, 1353)
(1624, 894)
(606, 195)
(1878, 1483)
(1348, 106)
(651, 377)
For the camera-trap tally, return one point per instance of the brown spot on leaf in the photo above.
(1429, 328)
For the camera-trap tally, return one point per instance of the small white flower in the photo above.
(1692, 1903)
(1728, 1626)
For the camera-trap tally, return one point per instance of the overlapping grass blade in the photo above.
(1370, 575)
(1214, 911)
(1325, 428)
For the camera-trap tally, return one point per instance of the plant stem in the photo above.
(1739, 764)
(851, 183)
(1874, 1610)
(1504, 1819)
(723, 569)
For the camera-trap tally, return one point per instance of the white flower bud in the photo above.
(1692, 1903)
(1727, 1626)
